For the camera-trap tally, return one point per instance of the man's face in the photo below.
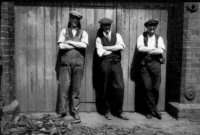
(74, 20)
(106, 27)
(151, 29)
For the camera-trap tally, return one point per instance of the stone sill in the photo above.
(179, 110)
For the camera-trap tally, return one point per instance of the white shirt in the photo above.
(151, 42)
(84, 38)
(99, 46)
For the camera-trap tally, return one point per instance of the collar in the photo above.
(109, 33)
(151, 36)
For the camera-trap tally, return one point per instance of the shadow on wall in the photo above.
(135, 76)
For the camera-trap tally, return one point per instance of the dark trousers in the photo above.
(112, 85)
(69, 85)
(151, 77)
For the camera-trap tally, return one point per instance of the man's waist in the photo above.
(73, 53)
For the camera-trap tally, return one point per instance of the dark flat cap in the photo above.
(105, 21)
(76, 13)
(151, 22)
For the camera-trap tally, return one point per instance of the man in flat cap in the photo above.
(108, 48)
(151, 47)
(72, 43)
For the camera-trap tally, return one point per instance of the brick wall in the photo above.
(191, 52)
(7, 52)
(183, 84)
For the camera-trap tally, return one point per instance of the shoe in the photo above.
(149, 116)
(76, 118)
(156, 114)
(62, 115)
(108, 116)
(123, 117)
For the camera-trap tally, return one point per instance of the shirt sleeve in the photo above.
(84, 37)
(99, 46)
(161, 43)
(140, 41)
(120, 40)
(62, 36)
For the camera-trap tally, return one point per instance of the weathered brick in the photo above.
(7, 28)
(7, 4)
(5, 34)
(6, 22)
(7, 44)
(7, 41)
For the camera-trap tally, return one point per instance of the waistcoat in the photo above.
(145, 57)
(116, 55)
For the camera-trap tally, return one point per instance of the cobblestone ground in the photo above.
(95, 124)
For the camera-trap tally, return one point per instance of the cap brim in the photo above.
(151, 24)
(80, 17)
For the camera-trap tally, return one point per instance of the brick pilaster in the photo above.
(7, 52)
(187, 99)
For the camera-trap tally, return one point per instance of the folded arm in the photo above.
(100, 49)
(119, 46)
(76, 44)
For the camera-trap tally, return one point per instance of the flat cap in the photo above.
(76, 13)
(105, 21)
(151, 22)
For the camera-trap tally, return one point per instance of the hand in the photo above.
(107, 53)
(70, 42)
(155, 51)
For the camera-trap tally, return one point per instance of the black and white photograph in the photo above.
(100, 67)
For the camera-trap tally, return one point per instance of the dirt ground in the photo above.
(95, 124)
(167, 125)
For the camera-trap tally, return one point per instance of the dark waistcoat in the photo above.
(116, 55)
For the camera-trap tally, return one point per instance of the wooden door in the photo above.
(37, 28)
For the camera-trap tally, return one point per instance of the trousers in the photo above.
(151, 79)
(112, 86)
(70, 77)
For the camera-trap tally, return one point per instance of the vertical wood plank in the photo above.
(65, 15)
(21, 41)
(148, 14)
(140, 21)
(40, 59)
(163, 33)
(156, 15)
(125, 54)
(55, 50)
(89, 58)
(99, 15)
(50, 44)
(32, 51)
(133, 41)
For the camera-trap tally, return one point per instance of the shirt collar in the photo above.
(109, 33)
(151, 36)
